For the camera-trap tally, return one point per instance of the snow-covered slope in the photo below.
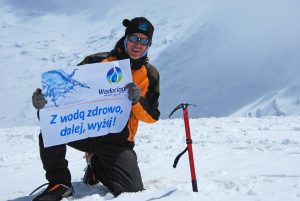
(239, 51)
(235, 158)
(220, 56)
(34, 41)
(278, 103)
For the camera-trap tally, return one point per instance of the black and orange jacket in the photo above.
(146, 77)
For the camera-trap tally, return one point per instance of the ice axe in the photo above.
(189, 148)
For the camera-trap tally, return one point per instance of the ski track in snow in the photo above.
(236, 159)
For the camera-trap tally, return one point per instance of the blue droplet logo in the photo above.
(114, 75)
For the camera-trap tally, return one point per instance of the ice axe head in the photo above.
(184, 106)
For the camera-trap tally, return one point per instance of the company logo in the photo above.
(114, 75)
(143, 26)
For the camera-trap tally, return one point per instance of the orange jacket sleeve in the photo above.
(146, 109)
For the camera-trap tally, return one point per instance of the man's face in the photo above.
(136, 49)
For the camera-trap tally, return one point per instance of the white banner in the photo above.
(85, 101)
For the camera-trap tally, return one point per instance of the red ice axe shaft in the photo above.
(189, 148)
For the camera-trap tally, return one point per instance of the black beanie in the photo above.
(139, 25)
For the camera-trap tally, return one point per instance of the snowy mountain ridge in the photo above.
(30, 46)
(222, 57)
(278, 103)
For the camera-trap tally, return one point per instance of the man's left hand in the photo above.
(134, 92)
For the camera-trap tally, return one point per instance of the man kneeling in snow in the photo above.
(112, 160)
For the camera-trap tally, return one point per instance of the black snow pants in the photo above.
(117, 166)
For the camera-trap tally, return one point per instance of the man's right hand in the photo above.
(38, 99)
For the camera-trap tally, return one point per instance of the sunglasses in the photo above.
(143, 41)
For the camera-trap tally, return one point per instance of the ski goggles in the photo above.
(143, 41)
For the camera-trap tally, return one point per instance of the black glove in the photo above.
(134, 92)
(38, 99)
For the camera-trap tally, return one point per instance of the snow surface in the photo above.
(235, 158)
